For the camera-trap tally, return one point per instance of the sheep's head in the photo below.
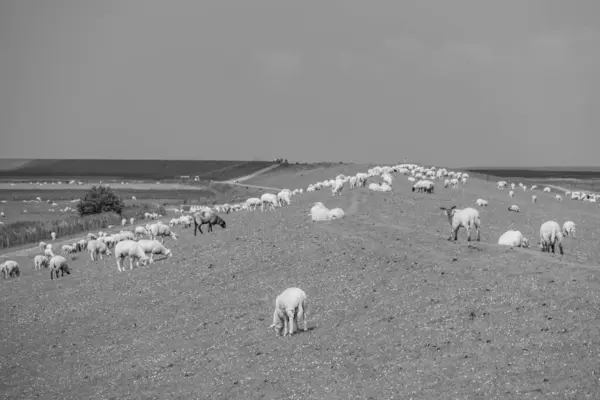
(449, 212)
(174, 236)
(168, 253)
(525, 243)
(222, 222)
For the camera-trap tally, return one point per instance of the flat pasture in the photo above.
(395, 309)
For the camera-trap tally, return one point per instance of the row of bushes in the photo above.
(27, 232)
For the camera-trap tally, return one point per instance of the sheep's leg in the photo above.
(301, 316)
(291, 318)
(200, 229)
(560, 247)
(468, 233)
(130, 263)
(285, 325)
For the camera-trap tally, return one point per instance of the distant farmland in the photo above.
(541, 173)
(128, 169)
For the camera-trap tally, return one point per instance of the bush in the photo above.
(27, 232)
(100, 199)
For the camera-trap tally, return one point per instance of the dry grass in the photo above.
(395, 310)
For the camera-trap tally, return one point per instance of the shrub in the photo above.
(26, 232)
(100, 199)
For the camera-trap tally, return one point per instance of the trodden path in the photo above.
(252, 175)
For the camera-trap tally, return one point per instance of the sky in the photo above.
(455, 83)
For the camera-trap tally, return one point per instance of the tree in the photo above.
(100, 199)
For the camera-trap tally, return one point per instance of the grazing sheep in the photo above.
(336, 213)
(337, 187)
(423, 186)
(253, 202)
(482, 202)
(568, 228)
(513, 239)
(91, 236)
(207, 217)
(53, 235)
(161, 230)
(48, 251)
(132, 220)
(290, 306)
(558, 198)
(140, 231)
(546, 190)
(154, 247)
(533, 199)
(58, 263)
(66, 249)
(270, 199)
(511, 193)
(353, 181)
(98, 248)
(284, 197)
(124, 222)
(42, 246)
(550, 236)
(10, 269)
(131, 249)
(467, 218)
(40, 261)
(514, 208)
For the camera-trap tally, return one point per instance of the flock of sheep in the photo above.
(290, 306)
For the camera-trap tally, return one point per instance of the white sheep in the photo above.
(132, 220)
(124, 222)
(53, 235)
(161, 230)
(140, 231)
(558, 198)
(98, 248)
(290, 306)
(467, 218)
(546, 190)
(270, 199)
(533, 199)
(337, 187)
(319, 212)
(284, 197)
(423, 186)
(48, 251)
(207, 217)
(568, 228)
(66, 249)
(58, 263)
(42, 246)
(511, 193)
(513, 239)
(482, 202)
(514, 208)
(253, 202)
(550, 236)
(154, 247)
(40, 261)
(9, 269)
(131, 249)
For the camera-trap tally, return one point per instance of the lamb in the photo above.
(270, 199)
(131, 249)
(154, 247)
(9, 269)
(284, 197)
(207, 217)
(58, 263)
(467, 218)
(97, 248)
(140, 231)
(533, 199)
(482, 202)
(513, 239)
(66, 249)
(290, 306)
(568, 228)
(40, 261)
(161, 230)
(514, 208)
(550, 236)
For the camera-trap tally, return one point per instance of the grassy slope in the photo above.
(396, 311)
(141, 169)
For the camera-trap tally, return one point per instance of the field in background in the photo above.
(395, 310)
(130, 169)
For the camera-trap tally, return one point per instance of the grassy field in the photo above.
(130, 169)
(395, 310)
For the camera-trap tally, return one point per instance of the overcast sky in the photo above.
(450, 82)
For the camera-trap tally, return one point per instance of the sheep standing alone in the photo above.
(10, 269)
(467, 218)
(290, 306)
(514, 208)
(58, 263)
(550, 236)
(207, 217)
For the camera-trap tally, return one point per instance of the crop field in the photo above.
(139, 169)
(395, 309)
